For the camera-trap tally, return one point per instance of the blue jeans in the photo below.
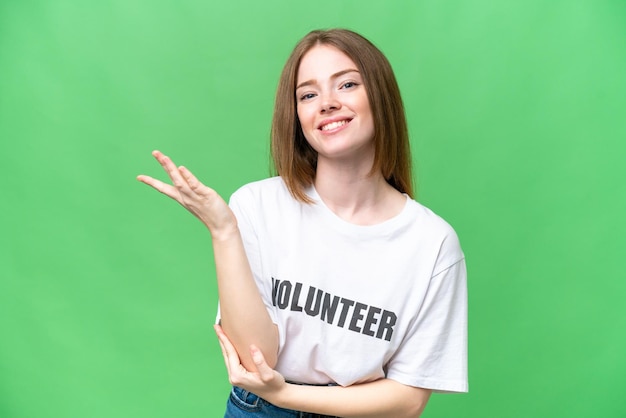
(244, 404)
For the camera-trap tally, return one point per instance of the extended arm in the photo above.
(380, 399)
(244, 316)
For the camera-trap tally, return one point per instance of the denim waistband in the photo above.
(246, 404)
(311, 384)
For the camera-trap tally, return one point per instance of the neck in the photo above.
(356, 196)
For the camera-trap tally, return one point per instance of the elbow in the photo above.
(416, 411)
(413, 411)
(416, 405)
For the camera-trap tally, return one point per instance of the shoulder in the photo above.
(428, 221)
(268, 195)
(273, 186)
(444, 238)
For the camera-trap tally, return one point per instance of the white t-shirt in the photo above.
(357, 303)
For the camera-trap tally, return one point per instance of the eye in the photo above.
(349, 85)
(306, 96)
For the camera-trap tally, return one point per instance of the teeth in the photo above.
(333, 125)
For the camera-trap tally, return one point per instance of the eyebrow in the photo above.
(336, 75)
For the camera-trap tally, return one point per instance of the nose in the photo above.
(329, 103)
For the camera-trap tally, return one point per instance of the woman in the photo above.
(339, 294)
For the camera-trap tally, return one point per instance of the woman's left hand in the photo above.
(265, 382)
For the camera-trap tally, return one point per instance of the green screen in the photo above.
(107, 291)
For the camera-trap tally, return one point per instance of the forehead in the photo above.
(322, 61)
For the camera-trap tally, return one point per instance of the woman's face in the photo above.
(332, 106)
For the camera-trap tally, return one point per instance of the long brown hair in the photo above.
(296, 161)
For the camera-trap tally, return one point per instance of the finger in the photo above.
(224, 352)
(225, 357)
(265, 371)
(228, 346)
(191, 180)
(158, 185)
(237, 374)
(231, 355)
(170, 168)
(220, 333)
(220, 342)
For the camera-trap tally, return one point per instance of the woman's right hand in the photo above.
(203, 202)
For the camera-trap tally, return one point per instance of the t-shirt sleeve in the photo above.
(433, 354)
(242, 205)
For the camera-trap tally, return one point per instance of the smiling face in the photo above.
(333, 107)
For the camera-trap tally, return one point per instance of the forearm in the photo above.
(383, 398)
(244, 316)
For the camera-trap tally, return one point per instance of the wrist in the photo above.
(224, 233)
(282, 397)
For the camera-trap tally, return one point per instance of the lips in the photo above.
(329, 125)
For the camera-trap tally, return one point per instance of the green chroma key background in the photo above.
(107, 291)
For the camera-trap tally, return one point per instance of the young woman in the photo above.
(340, 295)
